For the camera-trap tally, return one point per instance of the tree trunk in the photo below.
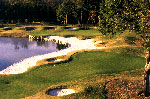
(147, 85)
(147, 71)
(79, 22)
(99, 19)
(81, 17)
(66, 19)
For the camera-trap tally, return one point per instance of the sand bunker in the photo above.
(61, 92)
(75, 44)
(55, 60)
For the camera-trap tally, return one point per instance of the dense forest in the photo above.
(26, 11)
(65, 11)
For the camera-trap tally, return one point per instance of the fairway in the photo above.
(80, 65)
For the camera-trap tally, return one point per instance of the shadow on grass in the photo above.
(67, 36)
(29, 28)
(5, 82)
(7, 28)
(143, 93)
(49, 28)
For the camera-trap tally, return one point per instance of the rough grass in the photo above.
(82, 65)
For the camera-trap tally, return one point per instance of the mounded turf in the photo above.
(80, 65)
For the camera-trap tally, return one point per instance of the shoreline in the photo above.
(74, 45)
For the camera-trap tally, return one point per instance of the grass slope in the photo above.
(81, 65)
(84, 33)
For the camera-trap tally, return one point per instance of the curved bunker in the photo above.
(60, 92)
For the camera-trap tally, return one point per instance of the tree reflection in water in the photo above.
(22, 42)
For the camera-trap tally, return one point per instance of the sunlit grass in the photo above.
(82, 65)
(84, 33)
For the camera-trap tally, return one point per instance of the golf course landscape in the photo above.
(74, 49)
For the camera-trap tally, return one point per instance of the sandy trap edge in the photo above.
(61, 92)
(75, 45)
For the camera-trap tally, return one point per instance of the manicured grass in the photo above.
(84, 33)
(81, 65)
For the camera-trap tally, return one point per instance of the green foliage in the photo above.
(118, 15)
(53, 11)
(63, 10)
(108, 17)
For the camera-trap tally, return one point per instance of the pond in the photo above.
(13, 50)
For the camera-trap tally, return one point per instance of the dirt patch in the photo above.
(125, 89)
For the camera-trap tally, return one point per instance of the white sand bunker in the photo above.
(74, 45)
(61, 92)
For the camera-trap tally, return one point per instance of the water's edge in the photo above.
(73, 42)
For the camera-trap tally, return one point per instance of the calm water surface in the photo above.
(13, 50)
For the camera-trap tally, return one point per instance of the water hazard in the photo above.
(13, 50)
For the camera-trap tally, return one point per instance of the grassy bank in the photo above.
(66, 33)
(81, 65)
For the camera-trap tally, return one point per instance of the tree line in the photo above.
(111, 15)
(68, 11)
(53, 11)
(25, 11)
